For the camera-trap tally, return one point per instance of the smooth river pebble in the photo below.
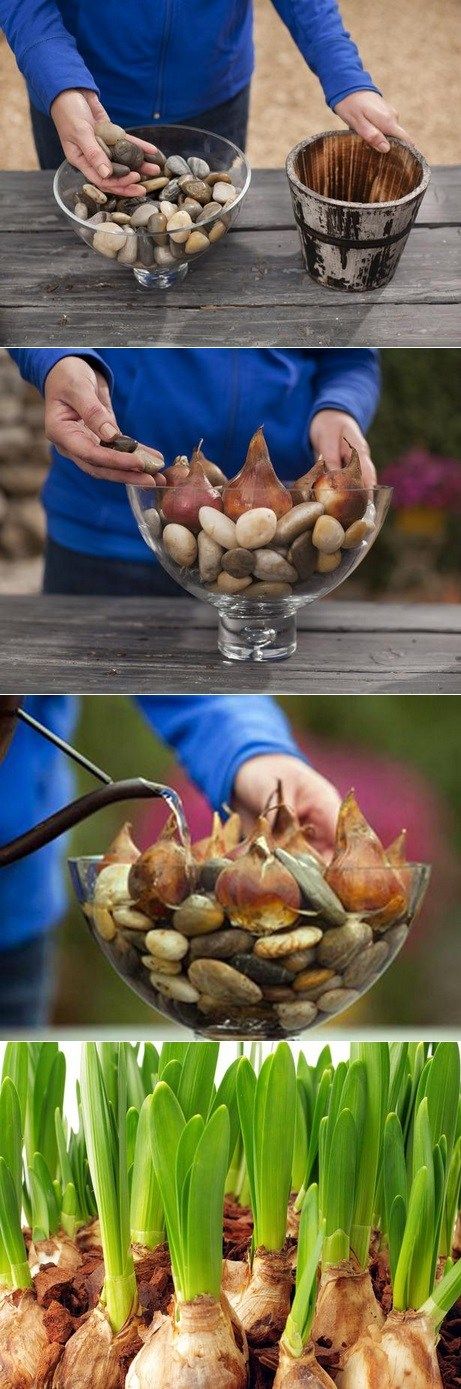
(256, 527)
(218, 526)
(328, 534)
(299, 519)
(222, 981)
(179, 543)
(271, 947)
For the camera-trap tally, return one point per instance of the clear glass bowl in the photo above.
(254, 627)
(288, 1008)
(219, 153)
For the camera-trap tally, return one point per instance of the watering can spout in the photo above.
(109, 793)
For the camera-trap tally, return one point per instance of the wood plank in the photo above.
(265, 269)
(64, 645)
(267, 205)
(253, 291)
(401, 325)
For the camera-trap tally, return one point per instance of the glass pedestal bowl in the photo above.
(258, 622)
(167, 262)
(237, 991)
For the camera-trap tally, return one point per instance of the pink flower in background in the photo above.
(424, 479)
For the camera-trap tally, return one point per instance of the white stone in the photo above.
(218, 526)
(256, 527)
(180, 544)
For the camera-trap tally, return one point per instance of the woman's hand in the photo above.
(76, 114)
(78, 414)
(328, 434)
(371, 117)
(306, 792)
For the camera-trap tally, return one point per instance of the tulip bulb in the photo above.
(264, 1304)
(181, 504)
(302, 489)
(404, 1355)
(93, 1357)
(301, 1371)
(287, 831)
(256, 485)
(25, 1349)
(122, 849)
(342, 493)
(360, 872)
(178, 471)
(346, 1307)
(257, 892)
(198, 1346)
(162, 876)
(225, 835)
(214, 474)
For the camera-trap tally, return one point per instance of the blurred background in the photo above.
(413, 51)
(416, 445)
(402, 756)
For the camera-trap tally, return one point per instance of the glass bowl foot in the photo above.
(268, 637)
(160, 279)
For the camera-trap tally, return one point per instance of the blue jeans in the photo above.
(68, 571)
(26, 984)
(229, 120)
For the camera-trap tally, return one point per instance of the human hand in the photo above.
(329, 431)
(79, 414)
(76, 115)
(308, 794)
(371, 117)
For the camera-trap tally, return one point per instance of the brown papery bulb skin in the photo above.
(360, 873)
(287, 831)
(122, 849)
(27, 1357)
(409, 1345)
(302, 489)
(256, 484)
(161, 877)
(346, 1307)
(342, 493)
(198, 1347)
(177, 472)
(301, 1372)
(264, 1305)
(224, 837)
(258, 893)
(214, 474)
(181, 504)
(94, 1358)
(366, 1366)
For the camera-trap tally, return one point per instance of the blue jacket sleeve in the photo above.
(35, 362)
(46, 54)
(318, 30)
(347, 379)
(213, 735)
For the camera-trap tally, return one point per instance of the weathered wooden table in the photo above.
(146, 646)
(250, 291)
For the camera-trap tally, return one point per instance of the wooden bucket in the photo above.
(354, 207)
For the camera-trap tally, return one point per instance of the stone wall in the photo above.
(23, 465)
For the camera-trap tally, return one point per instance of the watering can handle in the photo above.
(135, 789)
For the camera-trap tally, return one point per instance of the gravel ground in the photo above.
(412, 48)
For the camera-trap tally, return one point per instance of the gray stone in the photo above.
(340, 944)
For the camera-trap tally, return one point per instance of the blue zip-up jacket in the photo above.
(212, 735)
(171, 399)
(167, 60)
